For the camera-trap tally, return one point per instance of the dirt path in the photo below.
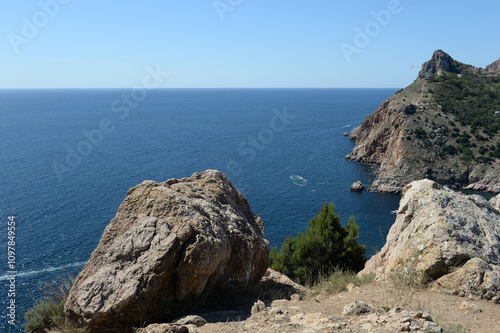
(421, 94)
(323, 313)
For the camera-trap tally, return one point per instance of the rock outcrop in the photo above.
(169, 247)
(357, 186)
(411, 136)
(476, 278)
(379, 141)
(437, 231)
(440, 62)
(495, 202)
(494, 67)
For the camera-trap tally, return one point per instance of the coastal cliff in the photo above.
(442, 127)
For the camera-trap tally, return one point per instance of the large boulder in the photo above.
(169, 247)
(437, 231)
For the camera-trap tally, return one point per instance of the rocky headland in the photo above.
(442, 127)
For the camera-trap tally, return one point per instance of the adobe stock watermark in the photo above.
(120, 108)
(223, 6)
(373, 28)
(12, 270)
(31, 26)
(257, 143)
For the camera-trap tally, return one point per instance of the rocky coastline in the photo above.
(405, 137)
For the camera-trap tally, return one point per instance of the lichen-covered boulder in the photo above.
(475, 278)
(438, 230)
(168, 248)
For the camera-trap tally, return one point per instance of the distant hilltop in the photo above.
(494, 67)
(445, 127)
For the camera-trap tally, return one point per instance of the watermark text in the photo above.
(32, 26)
(364, 36)
(11, 270)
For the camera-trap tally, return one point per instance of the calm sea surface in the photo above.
(68, 157)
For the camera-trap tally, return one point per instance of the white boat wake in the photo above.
(298, 180)
(45, 270)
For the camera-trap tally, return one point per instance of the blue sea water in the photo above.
(68, 157)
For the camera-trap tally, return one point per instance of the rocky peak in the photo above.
(494, 66)
(440, 62)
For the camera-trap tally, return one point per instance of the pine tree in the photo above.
(324, 245)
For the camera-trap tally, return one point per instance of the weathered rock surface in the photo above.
(475, 278)
(495, 202)
(438, 230)
(358, 308)
(357, 186)
(494, 67)
(168, 248)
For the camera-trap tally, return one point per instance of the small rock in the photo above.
(258, 306)
(358, 308)
(191, 320)
(351, 287)
(357, 186)
(426, 316)
(432, 327)
(405, 327)
(346, 133)
(163, 328)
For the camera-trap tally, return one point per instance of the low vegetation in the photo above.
(472, 99)
(48, 312)
(325, 246)
(338, 280)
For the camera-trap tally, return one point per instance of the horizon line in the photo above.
(198, 88)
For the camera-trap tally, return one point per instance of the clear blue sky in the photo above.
(260, 43)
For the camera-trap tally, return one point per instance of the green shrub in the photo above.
(45, 314)
(324, 246)
(48, 312)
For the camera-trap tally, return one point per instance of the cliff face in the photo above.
(411, 137)
(494, 67)
(440, 62)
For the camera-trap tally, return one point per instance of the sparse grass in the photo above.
(48, 312)
(403, 283)
(339, 279)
